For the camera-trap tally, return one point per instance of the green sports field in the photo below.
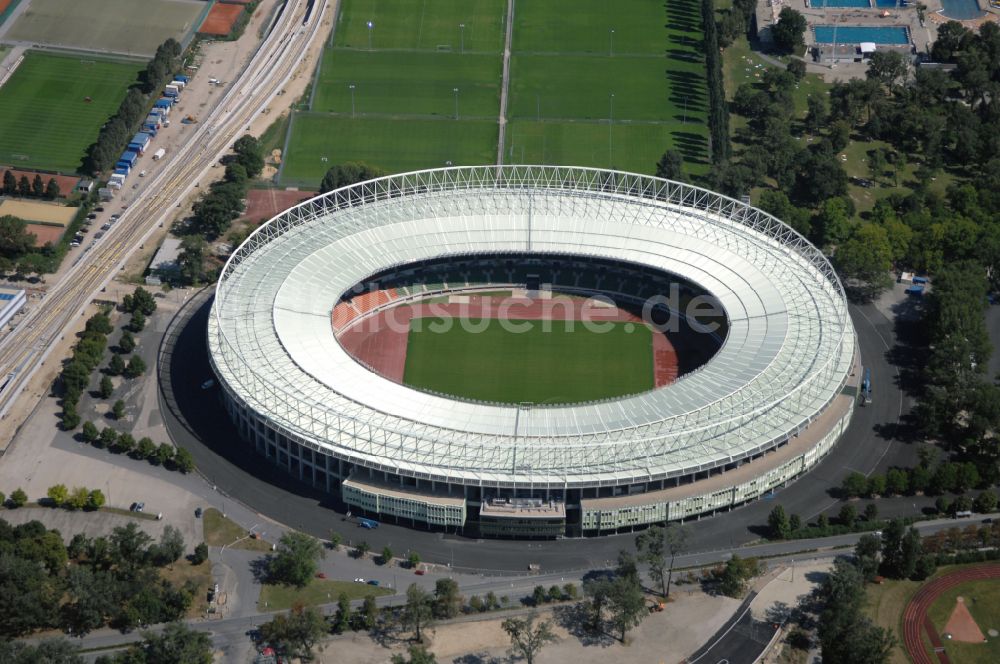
(423, 25)
(399, 145)
(490, 363)
(982, 599)
(417, 83)
(120, 26)
(579, 94)
(46, 121)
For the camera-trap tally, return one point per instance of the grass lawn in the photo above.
(319, 591)
(123, 26)
(539, 85)
(418, 24)
(221, 531)
(45, 119)
(982, 598)
(183, 571)
(419, 83)
(396, 145)
(558, 365)
(584, 26)
(630, 147)
(885, 606)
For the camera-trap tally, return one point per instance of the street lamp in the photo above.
(351, 86)
(462, 28)
(611, 36)
(455, 90)
(371, 26)
(611, 122)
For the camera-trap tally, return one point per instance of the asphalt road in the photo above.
(196, 421)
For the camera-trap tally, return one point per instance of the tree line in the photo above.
(89, 583)
(119, 129)
(718, 112)
(26, 188)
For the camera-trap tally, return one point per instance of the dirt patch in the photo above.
(262, 204)
(45, 233)
(220, 19)
(962, 626)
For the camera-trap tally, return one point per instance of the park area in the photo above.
(117, 26)
(410, 85)
(545, 362)
(53, 107)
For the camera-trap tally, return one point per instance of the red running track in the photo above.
(915, 618)
(379, 340)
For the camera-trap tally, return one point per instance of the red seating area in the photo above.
(343, 314)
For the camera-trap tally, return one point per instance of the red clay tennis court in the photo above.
(220, 19)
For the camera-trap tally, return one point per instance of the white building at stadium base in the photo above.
(772, 401)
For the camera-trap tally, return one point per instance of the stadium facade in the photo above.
(772, 401)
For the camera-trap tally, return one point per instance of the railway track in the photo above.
(26, 348)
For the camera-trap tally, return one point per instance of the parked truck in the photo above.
(158, 155)
(866, 387)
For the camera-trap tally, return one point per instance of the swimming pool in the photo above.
(887, 4)
(855, 34)
(961, 10)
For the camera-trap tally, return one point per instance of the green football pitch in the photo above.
(480, 359)
(53, 107)
(592, 83)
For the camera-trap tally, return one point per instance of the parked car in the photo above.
(106, 227)
(197, 513)
(99, 208)
(208, 384)
(137, 507)
(359, 580)
(92, 216)
(373, 582)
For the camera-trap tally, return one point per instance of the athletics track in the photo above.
(916, 621)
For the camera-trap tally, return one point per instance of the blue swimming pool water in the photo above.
(855, 34)
(961, 10)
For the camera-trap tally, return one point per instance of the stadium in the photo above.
(712, 358)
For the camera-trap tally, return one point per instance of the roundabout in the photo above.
(769, 404)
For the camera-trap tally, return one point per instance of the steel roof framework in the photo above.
(270, 333)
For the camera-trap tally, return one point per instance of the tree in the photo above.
(95, 500)
(342, 619)
(52, 189)
(138, 322)
(18, 498)
(89, 432)
(655, 545)
(37, 186)
(413, 559)
(417, 654)
(49, 651)
(125, 443)
(348, 173)
(671, 166)
(386, 556)
(108, 438)
(735, 574)
(200, 554)
(866, 553)
(106, 388)
(182, 460)
(129, 543)
(876, 485)
(176, 643)
(15, 240)
(369, 612)
(526, 638)
(447, 599)
(986, 502)
(871, 512)
(249, 155)
(877, 163)
(126, 344)
(58, 494)
(145, 449)
(788, 31)
(136, 367)
(897, 481)
(848, 515)
(164, 453)
(170, 548)
(794, 522)
(118, 410)
(70, 418)
(866, 258)
(361, 549)
(418, 612)
(778, 524)
(295, 559)
(191, 259)
(9, 183)
(846, 635)
(797, 68)
(539, 596)
(626, 605)
(116, 366)
(24, 186)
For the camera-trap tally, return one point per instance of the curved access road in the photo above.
(24, 350)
